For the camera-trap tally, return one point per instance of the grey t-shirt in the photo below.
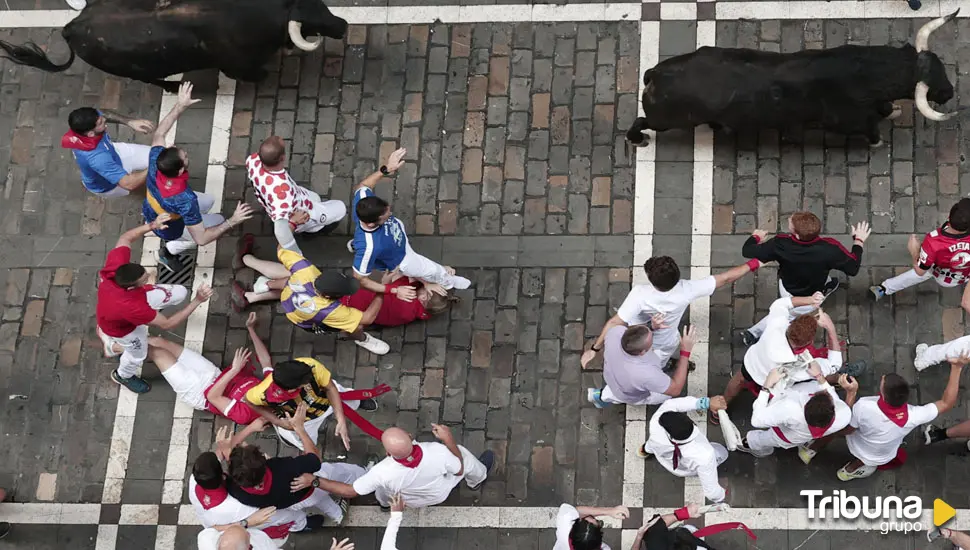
(631, 378)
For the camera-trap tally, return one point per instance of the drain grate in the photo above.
(181, 277)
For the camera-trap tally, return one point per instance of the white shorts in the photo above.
(190, 376)
(134, 157)
(322, 213)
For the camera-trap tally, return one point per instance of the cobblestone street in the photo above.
(519, 176)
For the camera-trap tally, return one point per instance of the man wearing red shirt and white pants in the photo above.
(128, 302)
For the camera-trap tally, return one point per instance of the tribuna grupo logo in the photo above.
(894, 514)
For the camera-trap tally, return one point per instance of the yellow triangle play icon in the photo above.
(942, 512)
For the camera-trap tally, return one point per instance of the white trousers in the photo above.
(190, 376)
(186, 242)
(312, 426)
(652, 399)
(474, 473)
(759, 329)
(720, 452)
(417, 266)
(941, 353)
(135, 343)
(763, 442)
(322, 213)
(320, 499)
(134, 157)
(908, 279)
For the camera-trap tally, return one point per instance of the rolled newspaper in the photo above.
(732, 436)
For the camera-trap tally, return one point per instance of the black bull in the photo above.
(148, 40)
(846, 90)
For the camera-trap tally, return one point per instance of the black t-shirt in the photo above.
(282, 470)
(803, 266)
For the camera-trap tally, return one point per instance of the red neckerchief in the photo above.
(169, 187)
(819, 432)
(676, 454)
(276, 394)
(267, 484)
(278, 531)
(796, 351)
(413, 459)
(897, 415)
(210, 498)
(74, 140)
(818, 353)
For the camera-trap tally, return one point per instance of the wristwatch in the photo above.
(245, 524)
(316, 483)
(385, 171)
(593, 347)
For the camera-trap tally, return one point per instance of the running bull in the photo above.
(148, 40)
(847, 90)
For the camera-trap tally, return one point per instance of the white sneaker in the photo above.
(806, 454)
(108, 344)
(261, 285)
(462, 283)
(373, 345)
(919, 362)
(77, 4)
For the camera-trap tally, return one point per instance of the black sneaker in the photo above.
(830, 286)
(748, 339)
(855, 368)
(134, 383)
(4, 529)
(368, 404)
(313, 523)
(933, 434)
(914, 4)
(488, 459)
(672, 365)
(168, 260)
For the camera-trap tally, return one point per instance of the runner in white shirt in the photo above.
(578, 529)
(423, 473)
(666, 294)
(797, 417)
(927, 355)
(235, 538)
(681, 448)
(879, 423)
(293, 208)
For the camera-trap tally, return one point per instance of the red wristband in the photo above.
(753, 265)
(756, 238)
(682, 514)
(292, 226)
(684, 354)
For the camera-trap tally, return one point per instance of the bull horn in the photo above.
(924, 105)
(923, 36)
(296, 35)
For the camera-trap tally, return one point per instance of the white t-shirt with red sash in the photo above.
(881, 428)
(785, 416)
(425, 478)
(218, 507)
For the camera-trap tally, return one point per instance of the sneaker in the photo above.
(488, 459)
(373, 345)
(134, 384)
(244, 246)
(237, 298)
(4, 529)
(806, 454)
(878, 291)
(350, 246)
(933, 434)
(594, 396)
(830, 286)
(109, 344)
(748, 339)
(855, 368)
(864, 471)
(642, 452)
(312, 523)
(77, 4)
(914, 4)
(368, 404)
(462, 283)
(168, 260)
(344, 505)
(933, 534)
(920, 362)
(261, 286)
(672, 365)
(743, 447)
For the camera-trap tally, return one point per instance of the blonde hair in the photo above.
(440, 304)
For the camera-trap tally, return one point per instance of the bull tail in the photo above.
(31, 55)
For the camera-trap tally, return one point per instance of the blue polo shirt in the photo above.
(169, 195)
(101, 167)
(382, 248)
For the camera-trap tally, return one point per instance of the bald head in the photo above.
(272, 151)
(397, 442)
(234, 538)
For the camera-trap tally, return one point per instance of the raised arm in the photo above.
(949, 399)
(168, 323)
(679, 379)
(129, 237)
(203, 235)
(597, 346)
(137, 124)
(216, 393)
(337, 404)
(735, 273)
(759, 246)
(184, 102)
(262, 352)
(394, 163)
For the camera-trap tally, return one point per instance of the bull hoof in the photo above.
(897, 112)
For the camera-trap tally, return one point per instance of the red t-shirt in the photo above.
(239, 412)
(121, 311)
(394, 312)
(947, 253)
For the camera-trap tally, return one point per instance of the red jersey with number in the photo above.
(947, 254)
